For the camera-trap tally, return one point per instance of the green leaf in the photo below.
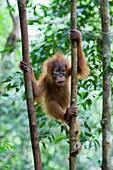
(84, 94)
(87, 126)
(84, 105)
(52, 136)
(6, 146)
(17, 89)
(18, 72)
(8, 79)
(12, 146)
(90, 144)
(50, 139)
(49, 39)
(8, 86)
(97, 142)
(88, 102)
(42, 124)
(44, 145)
(110, 69)
(95, 145)
(5, 95)
(88, 134)
(2, 149)
(59, 138)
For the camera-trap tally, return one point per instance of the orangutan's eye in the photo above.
(63, 71)
(56, 71)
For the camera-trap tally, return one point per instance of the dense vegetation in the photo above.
(49, 25)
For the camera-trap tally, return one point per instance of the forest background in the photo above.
(48, 28)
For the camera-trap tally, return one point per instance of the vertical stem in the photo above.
(28, 86)
(106, 116)
(74, 85)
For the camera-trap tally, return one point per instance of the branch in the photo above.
(106, 115)
(28, 86)
(11, 11)
(74, 85)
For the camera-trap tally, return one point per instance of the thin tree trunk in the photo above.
(74, 85)
(106, 116)
(12, 39)
(28, 86)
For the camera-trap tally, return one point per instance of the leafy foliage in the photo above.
(49, 25)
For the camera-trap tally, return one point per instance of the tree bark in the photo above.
(74, 85)
(106, 116)
(28, 86)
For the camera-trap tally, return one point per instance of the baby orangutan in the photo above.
(53, 83)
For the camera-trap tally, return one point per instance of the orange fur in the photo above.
(56, 98)
(59, 97)
(83, 69)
